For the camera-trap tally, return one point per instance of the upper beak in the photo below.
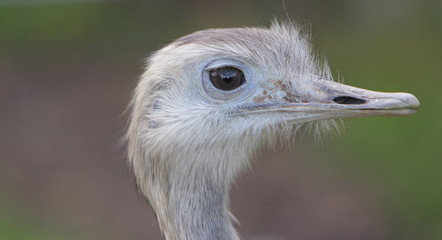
(327, 99)
(362, 102)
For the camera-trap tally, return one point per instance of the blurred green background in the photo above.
(67, 69)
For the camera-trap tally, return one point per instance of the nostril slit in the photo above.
(348, 100)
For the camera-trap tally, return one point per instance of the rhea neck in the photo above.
(195, 200)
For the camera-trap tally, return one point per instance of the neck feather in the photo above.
(194, 204)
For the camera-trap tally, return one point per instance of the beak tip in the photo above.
(406, 104)
(411, 102)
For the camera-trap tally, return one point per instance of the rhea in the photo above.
(207, 101)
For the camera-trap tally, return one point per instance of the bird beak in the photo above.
(327, 99)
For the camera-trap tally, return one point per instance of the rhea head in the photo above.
(209, 100)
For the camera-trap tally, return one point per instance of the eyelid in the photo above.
(224, 62)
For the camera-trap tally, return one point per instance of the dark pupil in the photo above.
(226, 78)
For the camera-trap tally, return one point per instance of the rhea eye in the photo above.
(226, 78)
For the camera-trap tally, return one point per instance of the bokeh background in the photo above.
(67, 69)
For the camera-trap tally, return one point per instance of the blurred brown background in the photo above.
(67, 69)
